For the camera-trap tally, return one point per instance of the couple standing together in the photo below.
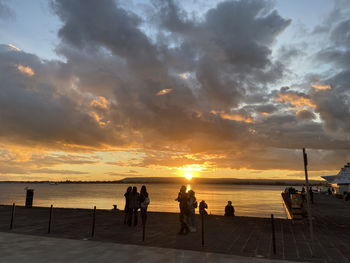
(188, 204)
(134, 201)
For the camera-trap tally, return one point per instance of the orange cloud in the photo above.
(321, 87)
(99, 119)
(25, 70)
(13, 47)
(163, 92)
(295, 100)
(233, 117)
(100, 103)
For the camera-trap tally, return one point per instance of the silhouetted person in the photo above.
(126, 208)
(144, 202)
(329, 191)
(182, 198)
(311, 193)
(229, 209)
(192, 205)
(134, 202)
(303, 194)
(202, 206)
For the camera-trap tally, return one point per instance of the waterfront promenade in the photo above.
(38, 249)
(241, 236)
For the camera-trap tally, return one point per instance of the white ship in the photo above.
(341, 181)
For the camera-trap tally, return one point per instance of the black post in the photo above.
(309, 213)
(202, 217)
(50, 218)
(273, 235)
(12, 215)
(93, 222)
(143, 232)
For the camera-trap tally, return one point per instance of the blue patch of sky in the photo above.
(33, 29)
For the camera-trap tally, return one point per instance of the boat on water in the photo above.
(53, 183)
(341, 181)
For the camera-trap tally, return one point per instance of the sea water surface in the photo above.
(248, 200)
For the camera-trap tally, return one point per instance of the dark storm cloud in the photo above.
(36, 109)
(220, 69)
(333, 104)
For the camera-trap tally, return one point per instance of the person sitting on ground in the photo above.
(182, 199)
(202, 206)
(229, 209)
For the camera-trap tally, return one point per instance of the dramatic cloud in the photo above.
(182, 89)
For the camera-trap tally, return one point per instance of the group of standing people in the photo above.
(188, 204)
(134, 201)
(311, 194)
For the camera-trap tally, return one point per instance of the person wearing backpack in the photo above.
(192, 205)
(144, 202)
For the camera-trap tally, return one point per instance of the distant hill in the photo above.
(181, 180)
(200, 180)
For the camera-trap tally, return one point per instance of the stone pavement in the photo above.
(28, 248)
(240, 236)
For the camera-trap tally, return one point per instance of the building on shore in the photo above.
(341, 181)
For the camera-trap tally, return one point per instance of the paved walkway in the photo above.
(247, 237)
(28, 248)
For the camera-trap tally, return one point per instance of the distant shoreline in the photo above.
(179, 180)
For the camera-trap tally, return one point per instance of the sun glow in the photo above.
(190, 171)
(188, 175)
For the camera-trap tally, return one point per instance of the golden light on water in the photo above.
(188, 188)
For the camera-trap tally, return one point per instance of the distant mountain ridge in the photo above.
(182, 180)
(200, 180)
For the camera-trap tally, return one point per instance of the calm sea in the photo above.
(248, 200)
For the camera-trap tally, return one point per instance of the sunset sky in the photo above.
(102, 90)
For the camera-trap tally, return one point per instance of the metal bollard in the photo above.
(50, 218)
(93, 222)
(143, 232)
(202, 217)
(12, 215)
(273, 235)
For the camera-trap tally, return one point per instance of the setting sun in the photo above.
(188, 175)
(189, 171)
